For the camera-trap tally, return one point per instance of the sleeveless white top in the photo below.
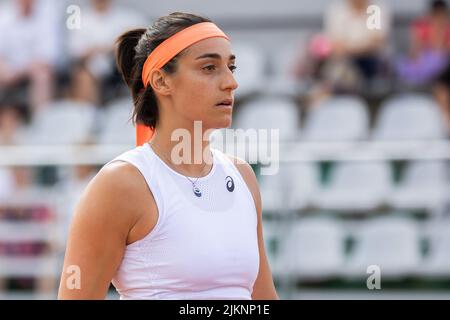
(201, 247)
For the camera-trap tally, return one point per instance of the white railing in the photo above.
(35, 155)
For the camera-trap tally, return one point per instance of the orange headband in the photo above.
(165, 52)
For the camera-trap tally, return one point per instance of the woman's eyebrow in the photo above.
(214, 56)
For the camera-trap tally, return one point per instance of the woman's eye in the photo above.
(210, 68)
(213, 67)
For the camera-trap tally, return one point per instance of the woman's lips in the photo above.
(224, 106)
(228, 104)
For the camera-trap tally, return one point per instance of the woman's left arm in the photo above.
(264, 288)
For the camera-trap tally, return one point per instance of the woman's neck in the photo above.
(188, 153)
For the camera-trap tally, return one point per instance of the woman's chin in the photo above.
(223, 123)
(226, 122)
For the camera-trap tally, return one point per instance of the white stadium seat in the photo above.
(356, 186)
(423, 187)
(117, 128)
(62, 122)
(342, 118)
(388, 243)
(437, 263)
(314, 249)
(410, 116)
(270, 113)
(250, 74)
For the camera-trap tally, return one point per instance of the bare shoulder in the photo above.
(116, 192)
(249, 177)
(121, 175)
(119, 179)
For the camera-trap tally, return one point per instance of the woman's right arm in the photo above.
(98, 233)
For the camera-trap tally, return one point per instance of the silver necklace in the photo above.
(195, 188)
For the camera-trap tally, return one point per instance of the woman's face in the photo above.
(203, 80)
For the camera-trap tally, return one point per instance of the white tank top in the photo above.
(201, 247)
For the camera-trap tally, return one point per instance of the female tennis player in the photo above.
(155, 227)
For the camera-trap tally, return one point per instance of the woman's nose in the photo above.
(230, 82)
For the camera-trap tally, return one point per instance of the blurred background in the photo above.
(361, 98)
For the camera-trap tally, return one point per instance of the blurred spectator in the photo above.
(12, 119)
(441, 92)
(6, 183)
(354, 47)
(91, 48)
(349, 55)
(28, 50)
(16, 182)
(432, 31)
(9, 124)
(430, 44)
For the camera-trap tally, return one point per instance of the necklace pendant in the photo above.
(196, 191)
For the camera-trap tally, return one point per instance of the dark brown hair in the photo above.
(132, 49)
(438, 6)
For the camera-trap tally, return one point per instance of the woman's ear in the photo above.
(160, 82)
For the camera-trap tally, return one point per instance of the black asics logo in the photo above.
(230, 183)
